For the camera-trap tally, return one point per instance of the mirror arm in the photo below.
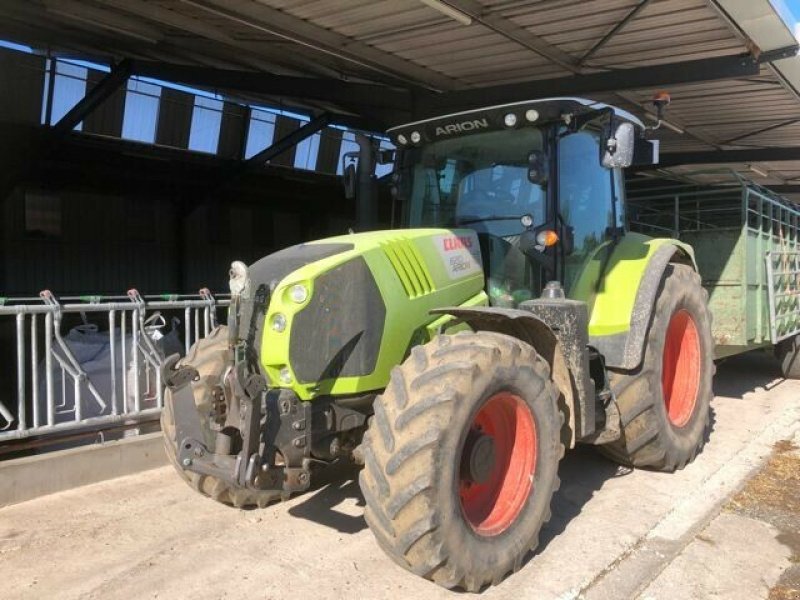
(580, 120)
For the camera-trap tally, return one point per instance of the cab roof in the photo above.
(501, 116)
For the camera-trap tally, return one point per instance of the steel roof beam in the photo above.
(614, 31)
(283, 144)
(332, 90)
(117, 77)
(511, 31)
(693, 71)
(761, 130)
(714, 157)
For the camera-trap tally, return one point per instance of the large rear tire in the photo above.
(208, 357)
(461, 458)
(664, 405)
(788, 354)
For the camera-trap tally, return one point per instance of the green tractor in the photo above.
(458, 357)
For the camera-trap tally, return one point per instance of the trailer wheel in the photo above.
(207, 355)
(664, 405)
(788, 353)
(461, 459)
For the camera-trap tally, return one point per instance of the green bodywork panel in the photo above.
(611, 301)
(416, 270)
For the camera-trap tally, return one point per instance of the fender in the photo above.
(621, 306)
(569, 367)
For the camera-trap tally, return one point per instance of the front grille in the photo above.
(266, 274)
(338, 333)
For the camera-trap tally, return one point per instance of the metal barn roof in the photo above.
(729, 65)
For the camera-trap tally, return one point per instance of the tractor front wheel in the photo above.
(461, 458)
(207, 355)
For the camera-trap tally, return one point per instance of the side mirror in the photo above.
(349, 180)
(616, 149)
(537, 167)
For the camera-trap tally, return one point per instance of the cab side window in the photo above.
(585, 198)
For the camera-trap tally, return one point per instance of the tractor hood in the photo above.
(337, 310)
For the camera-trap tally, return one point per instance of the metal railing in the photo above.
(783, 277)
(92, 376)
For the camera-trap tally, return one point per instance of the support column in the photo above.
(330, 147)
(174, 118)
(233, 130)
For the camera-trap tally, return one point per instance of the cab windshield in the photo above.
(477, 181)
(480, 182)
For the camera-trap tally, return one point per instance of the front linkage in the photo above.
(263, 439)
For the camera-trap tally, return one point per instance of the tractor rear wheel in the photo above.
(788, 353)
(208, 355)
(461, 458)
(664, 405)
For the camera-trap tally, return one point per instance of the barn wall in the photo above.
(135, 220)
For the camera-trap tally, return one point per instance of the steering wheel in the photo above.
(478, 203)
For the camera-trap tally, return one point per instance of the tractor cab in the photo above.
(540, 182)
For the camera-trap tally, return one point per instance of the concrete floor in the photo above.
(614, 533)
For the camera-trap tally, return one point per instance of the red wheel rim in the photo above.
(491, 506)
(680, 375)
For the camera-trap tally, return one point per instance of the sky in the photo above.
(790, 11)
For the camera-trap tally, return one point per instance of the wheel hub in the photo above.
(681, 369)
(497, 464)
(479, 457)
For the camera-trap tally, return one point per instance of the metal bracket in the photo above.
(194, 456)
(250, 395)
(174, 378)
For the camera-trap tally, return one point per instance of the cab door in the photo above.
(590, 204)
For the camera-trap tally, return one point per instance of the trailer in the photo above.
(747, 246)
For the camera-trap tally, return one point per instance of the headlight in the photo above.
(285, 376)
(298, 293)
(278, 322)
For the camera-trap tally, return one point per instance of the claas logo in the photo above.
(457, 243)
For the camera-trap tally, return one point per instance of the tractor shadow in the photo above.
(747, 373)
(583, 471)
(333, 486)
